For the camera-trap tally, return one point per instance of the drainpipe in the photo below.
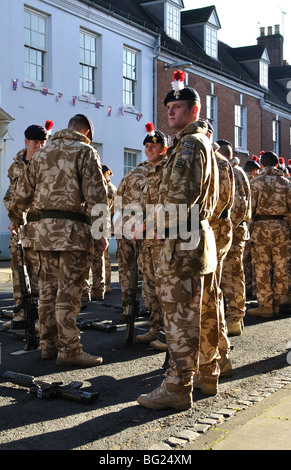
(157, 54)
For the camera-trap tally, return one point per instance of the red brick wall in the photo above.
(259, 122)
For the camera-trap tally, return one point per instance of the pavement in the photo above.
(263, 424)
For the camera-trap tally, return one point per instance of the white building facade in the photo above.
(60, 58)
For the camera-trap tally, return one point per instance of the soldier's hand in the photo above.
(139, 232)
(12, 229)
(102, 244)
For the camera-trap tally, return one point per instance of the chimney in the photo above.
(274, 44)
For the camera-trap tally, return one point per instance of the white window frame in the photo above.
(35, 46)
(211, 110)
(264, 74)
(211, 43)
(173, 22)
(88, 63)
(276, 136)
(240, 125)
(130, 160)
(130, 77)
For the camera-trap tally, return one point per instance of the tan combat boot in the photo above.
(235, 325)
(261, 311)
(151, 335)
(225, 366)
(207, 385)
(83, 360)
(160, 399)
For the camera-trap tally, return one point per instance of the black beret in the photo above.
(269, 159)
(251, 165)
(186, 94)
(158, 138)
(223, 142)
(106, 168)
(209, 125)
(35, 132)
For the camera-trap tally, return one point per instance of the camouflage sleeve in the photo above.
(13, 175)
(23, 197)
(93, 183)
(242, 204)
(94, 189)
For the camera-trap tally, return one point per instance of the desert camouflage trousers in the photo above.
(233, 280)
(182, 306)
(150, 258)
(270, 258)
(61, 282)
(31, 260)
(223, 237)
(210, 330)
(249, 270)
(101, 272)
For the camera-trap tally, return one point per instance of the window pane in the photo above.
(41, 26)
(34, 22)
(27, 19)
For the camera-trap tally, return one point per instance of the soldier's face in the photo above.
(154, 152)
(33, 145)
(180, 114)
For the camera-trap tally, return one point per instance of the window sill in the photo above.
(37, 87)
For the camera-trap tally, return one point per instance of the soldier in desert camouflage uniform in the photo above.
(252, 169)
(212, 304)
(128, 199)
(187, 180)
(101, 267)
(233, 279)
(35, 138)
(63, 183)
(271, 203)
(155, 147)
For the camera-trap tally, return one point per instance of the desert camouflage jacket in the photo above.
(190, 178)
(242, 210)
(226, 189)
(128, 204)
(271, 194)
(149, 199)
(65, 175)
(15, 173)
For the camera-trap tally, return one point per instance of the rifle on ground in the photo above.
(27, 303)
(132, 301)
(105, 326)
(49, 390)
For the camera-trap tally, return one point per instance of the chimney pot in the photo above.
(277, 29)
(262, 31)
(270, 30)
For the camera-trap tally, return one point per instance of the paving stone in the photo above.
(188, 435)
(227, 412)
(216, 416)
(256, 399)
(175, 441)
(209, 421)
(160, 446)
(245, 403)
(201, 428)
